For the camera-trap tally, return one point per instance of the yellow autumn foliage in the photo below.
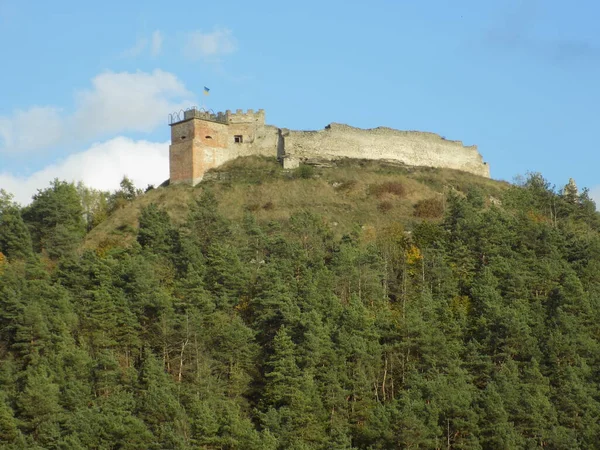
(413, 255)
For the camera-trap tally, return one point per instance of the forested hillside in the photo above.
(455, 320)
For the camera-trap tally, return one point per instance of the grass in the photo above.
(389, 187)
(369, 194)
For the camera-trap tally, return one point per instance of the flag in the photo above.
(206, 90)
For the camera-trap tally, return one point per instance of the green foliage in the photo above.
(205, 224)
(9, 431)
(155, 231)
(126, 194)
(476, 331)
(15, 240)
(305, 171)
(55, 219)
(94, 203)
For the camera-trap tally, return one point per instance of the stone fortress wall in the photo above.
(412, 148)
(202, 140)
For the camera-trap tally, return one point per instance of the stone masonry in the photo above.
(201, 141)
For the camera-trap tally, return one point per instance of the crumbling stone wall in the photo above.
(409, 147)
(202, 141)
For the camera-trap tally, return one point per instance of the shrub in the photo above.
(389, 187)
(305, 171)
(385, 206)
(429, 208)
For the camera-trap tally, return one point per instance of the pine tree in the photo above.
(55, 219)
(15, 241)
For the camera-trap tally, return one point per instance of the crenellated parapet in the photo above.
(238, 117)
(249, 116)
(197, 113)
(206, 115)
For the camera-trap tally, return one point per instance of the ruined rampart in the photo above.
(202, 140)
(409, 147)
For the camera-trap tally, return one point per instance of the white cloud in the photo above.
(128, 101)
(200, 45)
(156, 43)
(35, 127)
(102, 167)
(117, 102)
(137, 49)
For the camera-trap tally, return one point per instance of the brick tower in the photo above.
(195, 141)
(202, 140)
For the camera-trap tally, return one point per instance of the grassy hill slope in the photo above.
(347, 194)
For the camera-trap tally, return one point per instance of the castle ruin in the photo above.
(202, 140)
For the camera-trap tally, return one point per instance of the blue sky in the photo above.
(86, 87)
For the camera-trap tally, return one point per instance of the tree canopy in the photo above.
(477, 330)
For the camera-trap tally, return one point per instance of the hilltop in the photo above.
(346, 194)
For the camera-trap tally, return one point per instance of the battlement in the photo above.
(246, 117)
(196, 113)
(239, 116)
